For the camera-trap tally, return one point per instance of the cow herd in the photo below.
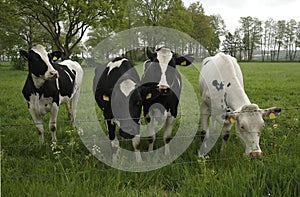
(123, 95)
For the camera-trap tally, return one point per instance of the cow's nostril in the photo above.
(54, 74)
(255, 154)
(163, 87)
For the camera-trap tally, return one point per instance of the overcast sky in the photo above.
(232, 10)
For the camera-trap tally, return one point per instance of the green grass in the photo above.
(28, 169)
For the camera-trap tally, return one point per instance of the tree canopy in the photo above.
(62, 25)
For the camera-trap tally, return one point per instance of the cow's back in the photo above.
(70, 78)
(221, 80)
(106, 79)
(221, 67)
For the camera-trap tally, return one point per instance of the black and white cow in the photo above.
(224, 99)
(118, 95)
(49, 84)
(161, 92)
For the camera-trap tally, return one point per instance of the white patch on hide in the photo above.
(164, 56)
(127, 86)
(116, 64)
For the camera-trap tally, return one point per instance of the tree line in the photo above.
(269, 40)
(62, 25)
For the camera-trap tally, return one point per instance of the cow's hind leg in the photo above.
(74, 104)
(69, 111)
(52, 122)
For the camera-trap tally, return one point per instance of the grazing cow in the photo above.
(161, 92)
(49, 84)
(119, 97)
(224, 98)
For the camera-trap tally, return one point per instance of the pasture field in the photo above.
(30, 169)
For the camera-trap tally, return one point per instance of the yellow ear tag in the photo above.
(272, 115)
(149, 95)
(183, 63)
(105, 98)
(231, 120)
(54, 58)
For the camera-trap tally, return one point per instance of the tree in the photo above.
(17, 32)
(279, 38)
(298, 36)
(267, 37)
(151, 11)
(218, 27)
(177, 17)
(230, 45)
(233, 45)
(251, 28)
(290, 39)
(202, 29)
(67, 21)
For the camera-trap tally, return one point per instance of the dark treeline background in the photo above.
(64, 24)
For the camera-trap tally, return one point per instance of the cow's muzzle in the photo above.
(164, 89)
(255, 154)
(53, 74)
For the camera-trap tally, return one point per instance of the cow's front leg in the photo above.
(151, 132)
(168, 132)
(111, 127)
(69, 111)
(53, 120)
(39, 124)
(204, 119)
(204, 125)
(74, 104)
(225, 135)
(136, 140)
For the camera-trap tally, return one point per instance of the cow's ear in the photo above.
(24, 54)
(55, 55)
(184, 60)
(150, 54)
(271, 113)
(230, 117)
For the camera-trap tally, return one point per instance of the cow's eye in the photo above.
(242, 128)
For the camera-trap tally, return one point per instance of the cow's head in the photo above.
(161, 67)
(40, 62)
(249, 123)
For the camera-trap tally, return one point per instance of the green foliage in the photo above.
(65, 22)
(69, 169)
(172, 14)
(177, 17)
(202, 29)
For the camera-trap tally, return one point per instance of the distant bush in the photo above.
(18, 63)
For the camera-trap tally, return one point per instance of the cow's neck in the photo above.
(238, 99)
(37, 81)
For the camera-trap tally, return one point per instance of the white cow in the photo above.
(225, 101)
